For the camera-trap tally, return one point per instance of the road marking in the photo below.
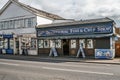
(70, 70)
(58, 64)
(12, 64)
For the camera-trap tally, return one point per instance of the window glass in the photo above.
(52, 43)
(46, 43)
(33, 43)
(5, 25)
(34, 22)
(17, 24)
(30, 22)
(82, 42)
(1, 43)
(73, 43)
(89, 43)
(2, 25)
(5, 44)
(40, 43)
(22, 23)
(11, 43)
(58, 43)
(11, 24)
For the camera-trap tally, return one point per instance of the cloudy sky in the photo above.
(76, 9)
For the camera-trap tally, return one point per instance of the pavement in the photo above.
(115, 61)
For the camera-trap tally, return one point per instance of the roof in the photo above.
(90, 21)
(35, 11)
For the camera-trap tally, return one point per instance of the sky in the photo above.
(76, 9)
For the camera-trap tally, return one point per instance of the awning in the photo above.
(77, 36)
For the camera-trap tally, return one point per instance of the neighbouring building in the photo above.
(117, 43)
(97, 37)
(17, 27)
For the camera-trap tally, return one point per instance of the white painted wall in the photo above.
(41, 21)
(14, 11)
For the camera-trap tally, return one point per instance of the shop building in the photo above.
(117, 43)
(17, 27)
(96, 36)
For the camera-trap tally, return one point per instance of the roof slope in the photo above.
(35, 11)
(90, 21)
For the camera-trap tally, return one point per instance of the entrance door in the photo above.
(65, 46)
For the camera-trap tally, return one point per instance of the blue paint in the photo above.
(103, 53)
(76, 30)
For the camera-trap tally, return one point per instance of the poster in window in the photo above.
(11, 43)
(40, 43)
(5, 44)
(73, 43)
(58, 43)
(52, 43)
(33, 43)
(82, 42)
(89, 43)
(46, 43)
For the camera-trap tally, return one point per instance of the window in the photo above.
(52, 43)
(11, 24)
(58, 43)
(29, 22)
(22, 23)
(1, 43)
(46, 43)
(6, 25)
(33, 43)
(5, 44)
(2, 25)
(11, 44)
(89, 43)
(73, 43)
(40, 43)
(17, 24)
(82, 42)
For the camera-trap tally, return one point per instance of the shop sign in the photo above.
(103, 53)
(6, 36)
(75, 31)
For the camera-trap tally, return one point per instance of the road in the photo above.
(33, 70)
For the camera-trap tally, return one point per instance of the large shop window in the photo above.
(33, 43)
(82, 42)
(58, 43)
(40, 43)
(5, 44)
(46, 44)
(52, 43)
(1, 43)
(73, 43)
(49, 43)
(89, 43)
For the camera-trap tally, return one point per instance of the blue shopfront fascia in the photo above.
(76, 30)
(8, 37)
